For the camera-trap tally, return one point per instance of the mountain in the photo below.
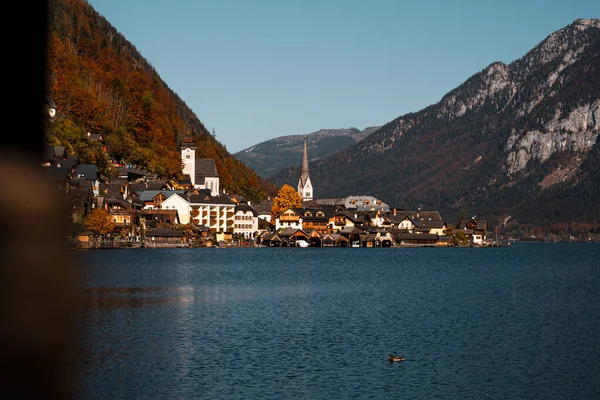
(516, 142)
(267, 158)
(102, 85)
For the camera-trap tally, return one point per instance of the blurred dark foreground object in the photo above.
(39, 287)
(39, 301)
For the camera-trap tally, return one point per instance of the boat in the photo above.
(301, 243)
(393, 358)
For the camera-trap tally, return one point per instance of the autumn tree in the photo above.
(99, 222)
(286, 198)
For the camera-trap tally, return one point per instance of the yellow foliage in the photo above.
(287, 197)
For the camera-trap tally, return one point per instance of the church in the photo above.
(202, 172)
(305, 188)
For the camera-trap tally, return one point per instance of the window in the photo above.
(188, 156)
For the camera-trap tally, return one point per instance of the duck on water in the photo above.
(393, 358)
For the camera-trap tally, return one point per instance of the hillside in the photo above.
(102, 85)
(267, 158)
(516, 142)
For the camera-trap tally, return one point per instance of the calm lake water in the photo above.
(318, 323)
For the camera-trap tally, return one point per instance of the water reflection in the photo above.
(117, 298)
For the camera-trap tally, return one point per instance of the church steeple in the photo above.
(304, 186)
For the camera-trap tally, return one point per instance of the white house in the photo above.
(214, 212)
(245, 221)
(290, 218)
(179, 202)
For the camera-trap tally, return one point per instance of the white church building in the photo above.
(202, 172)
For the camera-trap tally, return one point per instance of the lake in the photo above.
(318, 323)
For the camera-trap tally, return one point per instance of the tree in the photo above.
(286, 198)
(99, 222)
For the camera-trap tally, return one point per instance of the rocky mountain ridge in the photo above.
(509, 136)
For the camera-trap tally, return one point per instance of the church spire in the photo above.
(304, 186)
(305, 161)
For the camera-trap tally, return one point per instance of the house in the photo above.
(417, 240)
(376, 238)
(90, 173)
(315, 238)
(121, 214)
(269, 239)
(352, 234)
(245, 221)
(328, 240)
(290, 218)
(153, 199)
(159, 184)
(315, 220)
(159, 218)
(163, 237)
(178, 200)
(263, 208)
(215, 212)
(290, 237)
(434, 227)
(342, 219)
(114, 188)
(475, 230)
(393, 218)
(408, 224)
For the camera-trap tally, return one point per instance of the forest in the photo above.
(102, 85)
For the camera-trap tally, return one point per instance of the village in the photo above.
(138, 209)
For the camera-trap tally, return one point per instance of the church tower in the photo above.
(188, 157)
(305, 188)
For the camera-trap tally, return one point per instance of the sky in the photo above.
(254, 70)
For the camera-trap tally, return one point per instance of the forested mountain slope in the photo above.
(268, 157)
(102, 85)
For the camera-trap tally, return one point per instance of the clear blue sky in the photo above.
(258, 69)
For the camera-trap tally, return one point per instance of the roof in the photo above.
(116, 201)
(121, 170)
(264, 206)
(148, 195)
(57, 173)
(245, 208)
(112, 188)
(426, 215)
(333, 202)
(431, 224)
(477, 224)
(157, 185)
(205, 168)
(77, 183)
(170, 216)
(361, 202)
(351, 229)
(137, 187)
(87, 171)
(205, 199)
